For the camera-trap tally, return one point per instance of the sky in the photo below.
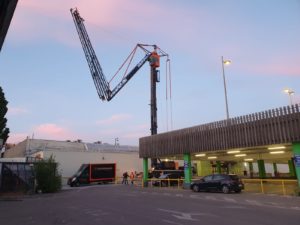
(51, 95)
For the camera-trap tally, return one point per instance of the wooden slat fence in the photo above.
(275, 126)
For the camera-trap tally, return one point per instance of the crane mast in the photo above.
(101, 84)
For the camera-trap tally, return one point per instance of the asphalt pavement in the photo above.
(130, 205)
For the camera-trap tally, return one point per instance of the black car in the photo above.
(169, 179)
(218, 182)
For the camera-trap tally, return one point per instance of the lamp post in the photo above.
(225, 62)
(290, 92)
(116, 141)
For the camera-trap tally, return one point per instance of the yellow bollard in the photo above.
(262, 186)
(283, 187)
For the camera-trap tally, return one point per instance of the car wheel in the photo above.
(238, 191)
(77, 184)
(225, 189)
(196, 188)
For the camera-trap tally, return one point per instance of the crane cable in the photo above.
(132, 53)
(167, 92)
(169, 95)
(170, 83)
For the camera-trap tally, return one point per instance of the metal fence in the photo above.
(264, 186)
(16, 177)
(271, 186)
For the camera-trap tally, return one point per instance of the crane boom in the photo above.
(128, 77)
(100, 82)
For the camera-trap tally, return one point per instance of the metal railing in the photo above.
(271, 186)
(265, 186)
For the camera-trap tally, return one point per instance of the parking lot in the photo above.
(126, 204)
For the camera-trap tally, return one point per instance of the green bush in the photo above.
(47, 176)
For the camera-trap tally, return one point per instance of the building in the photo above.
(70, 155)
(272, 137)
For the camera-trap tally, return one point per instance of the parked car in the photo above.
(169, 179)
(218, 182)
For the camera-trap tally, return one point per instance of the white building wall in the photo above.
(69, 162)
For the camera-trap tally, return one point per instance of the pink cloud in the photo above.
(52, 131)
(280, 69)
(15, 138)
(36, 19)
(114, 119)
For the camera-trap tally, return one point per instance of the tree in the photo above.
(47, 175)
(4, 131)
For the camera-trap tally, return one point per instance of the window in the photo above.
(207, 178)
(218, 177)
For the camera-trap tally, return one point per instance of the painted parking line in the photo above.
(167, 194)
(234, 207)
(210, 198)
(253, 202)
(186, 215)
(241, 202)
(179, 195)
(196, 197)
(295, 208)
(229, 200)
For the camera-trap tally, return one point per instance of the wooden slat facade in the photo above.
(276, 126)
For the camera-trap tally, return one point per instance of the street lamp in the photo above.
(290, 92)
(225, 62)
(116, 141)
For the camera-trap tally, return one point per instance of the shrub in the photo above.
(47, 176)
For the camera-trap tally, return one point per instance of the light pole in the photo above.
(290, 92)
(226, 62)
(116, 141)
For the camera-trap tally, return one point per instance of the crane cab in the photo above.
(154, 60)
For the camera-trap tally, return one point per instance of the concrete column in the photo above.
(251, 169)
(261, 168)
(292, 168)
(275, 169)
(218, 164)
(187, 171)
(145, 172)
(296, 151)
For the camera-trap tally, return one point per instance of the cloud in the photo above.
(36, 20)
(14, 111)
(114, 119)
(52, 131)
(275, 69)
(15, 138)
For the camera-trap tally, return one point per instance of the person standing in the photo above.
(131, 177)
(125, 178)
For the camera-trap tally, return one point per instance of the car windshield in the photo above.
(234, 177)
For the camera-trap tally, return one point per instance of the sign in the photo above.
(297, 160)
(185, 165)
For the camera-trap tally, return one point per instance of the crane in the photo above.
(103, 86)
